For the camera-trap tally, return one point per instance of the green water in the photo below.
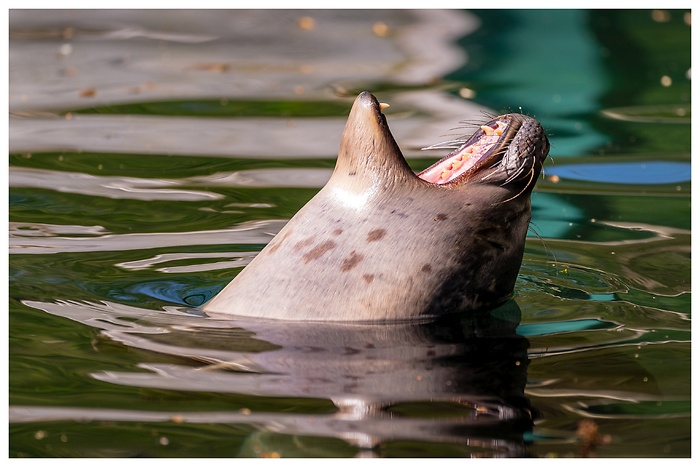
(147, 168)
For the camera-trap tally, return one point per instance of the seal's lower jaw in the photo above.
(483, 149)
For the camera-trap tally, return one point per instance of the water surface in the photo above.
(154, 153)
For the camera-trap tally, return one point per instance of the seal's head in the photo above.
(507, 151)
(379, 242)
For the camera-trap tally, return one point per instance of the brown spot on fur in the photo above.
(337, 232)
(441, 217)
(303, 244)
(368, 278)
(426, 268)
(351, 261)
(278, 243)
(318, 251)
(376, 234)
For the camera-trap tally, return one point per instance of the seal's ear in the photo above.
(368, 152)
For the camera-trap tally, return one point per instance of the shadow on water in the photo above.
(458, 381)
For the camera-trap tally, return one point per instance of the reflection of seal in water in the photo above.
(380, 243)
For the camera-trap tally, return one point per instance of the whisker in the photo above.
(473, 125)
(487, 114)
(477, 121)
(450, 144)
(532, 228)
(516, 175)
(486, 177)
(498, 154)
(527, 185)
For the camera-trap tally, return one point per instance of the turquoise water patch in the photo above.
(553, 216)
(545, 64)
(542, 329)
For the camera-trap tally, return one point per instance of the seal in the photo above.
(380, 243)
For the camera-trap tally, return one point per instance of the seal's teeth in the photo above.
(487, 129)
(444, 175)
(499, 130)
(383, 106)
(456, 164)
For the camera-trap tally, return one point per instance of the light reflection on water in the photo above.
(122, 223)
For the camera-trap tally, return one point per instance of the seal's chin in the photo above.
(483, 149)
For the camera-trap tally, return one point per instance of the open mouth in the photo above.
(483, 148)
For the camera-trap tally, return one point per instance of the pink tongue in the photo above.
(462, 160)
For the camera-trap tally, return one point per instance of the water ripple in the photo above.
(256, 232)
(146, 189)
